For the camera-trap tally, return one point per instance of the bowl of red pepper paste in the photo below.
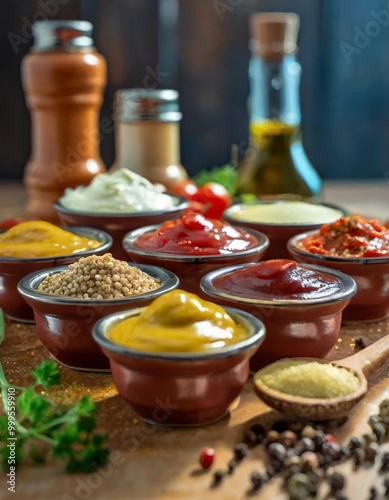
(194, 245)
(300, 305)
(359, 248)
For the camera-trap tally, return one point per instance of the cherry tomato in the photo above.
(185, 188)
(8, 223)
(215, 197)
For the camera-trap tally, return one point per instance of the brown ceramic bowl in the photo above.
(185, 389)
(13, 269)
(64, 324)
(190, 268)
(371, 302)
(279, 233)
(294, 328)
(117, 225)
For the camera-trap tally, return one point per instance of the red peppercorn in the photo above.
(330, 438)
(207, 456)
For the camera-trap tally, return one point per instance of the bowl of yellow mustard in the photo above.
(182, 360)
(34, 245)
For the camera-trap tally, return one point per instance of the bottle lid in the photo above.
(66, 34)
(274, 34)
(147, 104)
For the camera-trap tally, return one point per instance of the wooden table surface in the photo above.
(153, 462)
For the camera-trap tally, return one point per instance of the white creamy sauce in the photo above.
(122, 191)
(286, 212)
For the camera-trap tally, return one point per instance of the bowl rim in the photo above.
(255, 327)
(227, 216)
(293, 248)
(182, 204)
(262, 244)
(27, 287)
(79, 231)
(349, 288)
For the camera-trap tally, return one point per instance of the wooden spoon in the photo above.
(363, 364)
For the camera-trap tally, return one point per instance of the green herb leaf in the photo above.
(47, 374)
(32, 406)
(225, 175)
(42, 425)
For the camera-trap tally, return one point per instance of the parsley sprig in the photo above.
(41, 425)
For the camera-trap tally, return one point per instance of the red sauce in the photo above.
(278, 279)
(350, 237)
(194, 234)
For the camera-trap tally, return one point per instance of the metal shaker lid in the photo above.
(147, 104)
(274, 34)
(66, 34)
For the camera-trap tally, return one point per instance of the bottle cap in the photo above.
(147, 104)
(66, 34)
(274, 34)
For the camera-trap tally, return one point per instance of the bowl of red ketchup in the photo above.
(194, 245)
(300, 304)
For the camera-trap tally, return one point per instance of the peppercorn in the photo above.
(372, 493)
(309, 461)
(360, 342)
(297, 426)
(277, 451)
(271, 471)
(359, 456)
(371, 452)
(231, 466)
(319, 438)
(259, 430)
(279, 427)
(336, 481)
(369, 438)
(258, 480)
(332, 450)
(308, 432)
(304, 444)
(386, 487)
(250, 438)
(240, 451)
(288, 438)
(379, 431)
(299, 486)
(384, 462)
(217, 477)
(207, 457)
(272, 436)
(356, 442)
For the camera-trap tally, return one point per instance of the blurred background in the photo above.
(200, 48)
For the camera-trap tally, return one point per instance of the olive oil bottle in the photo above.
(275, 162)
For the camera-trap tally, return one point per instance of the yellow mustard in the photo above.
(178, 321)
(34, 239)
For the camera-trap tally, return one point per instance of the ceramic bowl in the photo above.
(181, 389)
(191, 268)
(294, 327)
(371, 302)
(279, 233)
(64, 324)
(117, 225)
(13, 269)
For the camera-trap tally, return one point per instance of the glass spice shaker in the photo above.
(63, 77)
(147, 134)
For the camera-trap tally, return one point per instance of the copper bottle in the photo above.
(63, 77)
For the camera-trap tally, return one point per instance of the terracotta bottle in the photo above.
(147, 134)
(63, 77)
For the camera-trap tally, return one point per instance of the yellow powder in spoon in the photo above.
(308, 379)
